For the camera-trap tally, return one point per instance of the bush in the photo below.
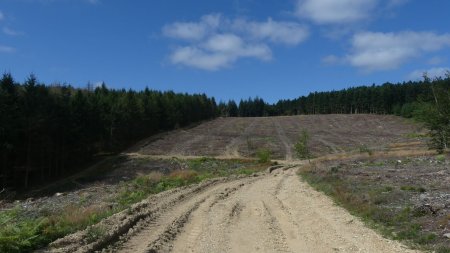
(263, 155)
(302, 146)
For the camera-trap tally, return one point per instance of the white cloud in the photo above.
(216, 42)
(11, 32)
(431, 73)
(193, 30)
(335, 11)
(7, 49)
(218, 52)
(373, 51)
(289, 33)
(344, 12)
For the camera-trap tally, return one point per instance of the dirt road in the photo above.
(266, 212)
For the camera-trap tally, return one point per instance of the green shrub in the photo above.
(263, 155)
(302, 146)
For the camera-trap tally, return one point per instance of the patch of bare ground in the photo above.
(243, 137)
(278, 213)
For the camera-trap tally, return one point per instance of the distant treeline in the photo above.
(399, 99)
(50, 131)
(427, 101)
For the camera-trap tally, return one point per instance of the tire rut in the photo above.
(232, 148)
(156, 236)
(123, 222)
(284, 139)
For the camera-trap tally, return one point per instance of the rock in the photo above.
(423, 197)
(59, 194)
(447, 235)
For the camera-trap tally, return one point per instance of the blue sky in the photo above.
(229, 49)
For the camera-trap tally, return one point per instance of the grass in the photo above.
(22, 232)
(365, 149)
(416, 135)
(263, 155)
(413, 188)
(385, 207)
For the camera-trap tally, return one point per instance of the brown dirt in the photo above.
(270, 212)
(242, 137)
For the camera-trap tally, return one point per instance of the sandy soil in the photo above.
(266, 212)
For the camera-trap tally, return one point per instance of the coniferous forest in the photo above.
(50, 131)
(47, 132)
(399, 99)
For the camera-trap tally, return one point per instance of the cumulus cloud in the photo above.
(372, 51)
(431, 73)
(343, 12)
(216, 42)
(193, 30)
(6, 49)
(219, 51)
(289, 33)
(335, 12)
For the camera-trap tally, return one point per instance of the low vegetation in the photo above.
(301, 147)
(263, 155)
(22, 231)
(402, 200)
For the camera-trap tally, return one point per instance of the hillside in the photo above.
(206, 189)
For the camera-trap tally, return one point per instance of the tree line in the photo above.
(388, 98)
(50, 131)
(427, 100)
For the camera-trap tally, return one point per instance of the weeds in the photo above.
(377, 203)
(365, 149)
(413, 188)
(440, 158)
(263, 155)
(94, 233)
(20, 233)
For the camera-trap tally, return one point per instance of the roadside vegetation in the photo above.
(403, 199)
(23, 230)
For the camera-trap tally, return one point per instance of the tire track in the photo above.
(158, 235)
(232, 148)
(284, 140)
(127, 221)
